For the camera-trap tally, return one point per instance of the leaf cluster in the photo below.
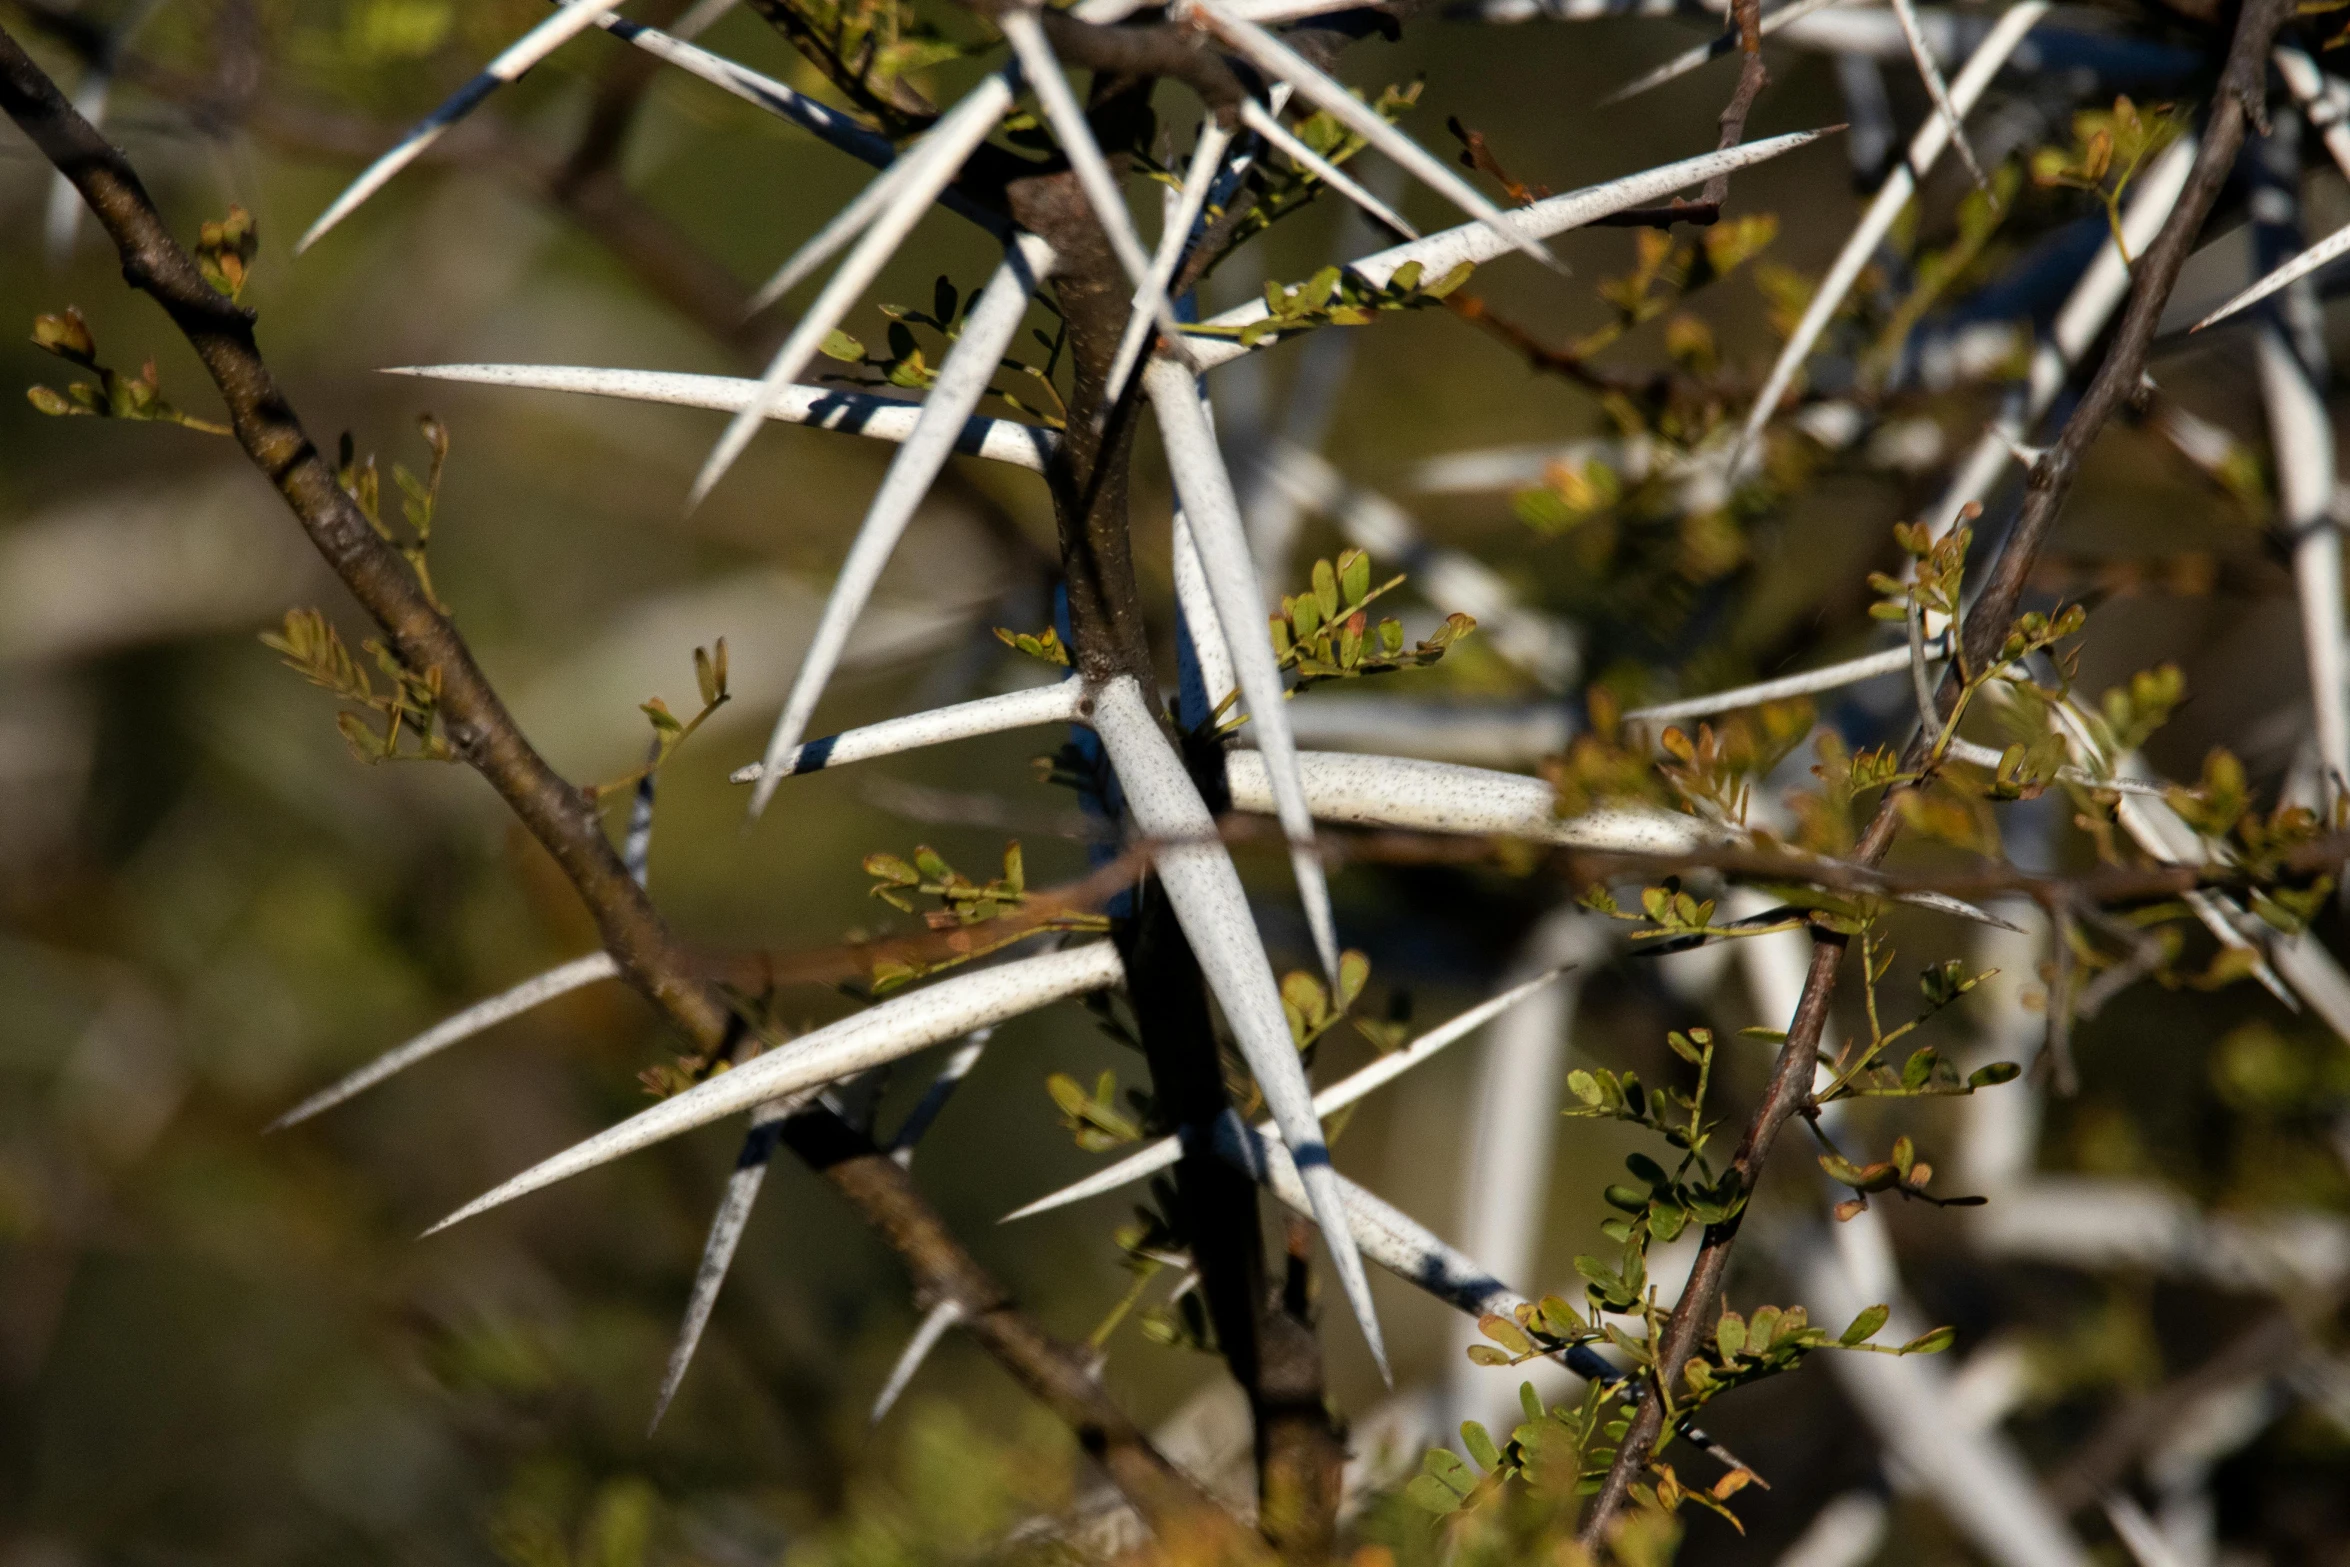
(2220, 809)
(2109, 147)
(907, 366)
(1325, 633)
(394, 722)
(874, 51)
(671, 732)
(419, 498)
(1045, 645)
(225, 249)
(1335, 296)
(113, 395)
(963, 904)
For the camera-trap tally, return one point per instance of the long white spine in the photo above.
(533, 992)
(1205, 892)
(962, 381)
(894, 1029)
(550, 35)
(819, 407)
(1221, 543)
(1421, 796)
(1163, 1153)
(922, 172)
(1476, 244)
(1925, 150)
(1054, 704)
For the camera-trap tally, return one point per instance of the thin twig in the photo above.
(2235, 100)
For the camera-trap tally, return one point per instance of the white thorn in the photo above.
(1204, 890)
(1922, 54)
(1925, 149)
(1059, 703)
(2329, 249)
(1266, 124)
(1211, 656)
(726, 1233)
(1206, 158)
(2302, 438)
(1025, 34)
(1712, 49)
(1213, 512)
(528, 50)
(819, 407)
(1475, 243)
(1422, 796)
(934, 1327)
(929, 164)
(764, 92)
(1277, 59)
(1810, 682)
(1167, 1150)
(963, 380)
(2144, 1540)
(894, 1029)
(482, 1014)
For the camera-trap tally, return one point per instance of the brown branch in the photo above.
(563, 818)
(1752, 78)
(1262, 1328)
(1136, 53)
(2235, 100)
(2107, 885)
(1539, 355)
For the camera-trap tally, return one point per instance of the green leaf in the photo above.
(1842, 1169)
(1506, 1333)
(1631, 1199)
(1932, 1342)
(892, 869)
(1432, 1495)
(1864, 1327)
(1068, 1093)
(1479, 1442)
(839, 345)
(1445, 1466)
(1559, 1319)
(1730, 1335)
(1354, 972)
(1997, 1072)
